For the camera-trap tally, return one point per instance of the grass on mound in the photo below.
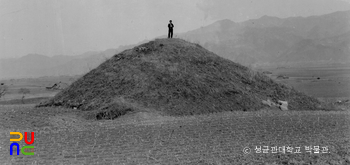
(177, 78)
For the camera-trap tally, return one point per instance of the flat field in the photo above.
(36, 86)
(320, 82)
(62, 136)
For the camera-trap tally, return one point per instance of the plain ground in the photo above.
(320, 82)
(36, 86)
(63, 136)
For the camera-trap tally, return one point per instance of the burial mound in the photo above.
(174, 77)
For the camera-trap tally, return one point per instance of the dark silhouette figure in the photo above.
(170, 32)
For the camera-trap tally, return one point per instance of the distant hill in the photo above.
(174, 77)
(276, 41)
(317, 51)
(36, 65)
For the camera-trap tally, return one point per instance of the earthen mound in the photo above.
(174, 77)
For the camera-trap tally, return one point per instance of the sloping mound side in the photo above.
(174, 77)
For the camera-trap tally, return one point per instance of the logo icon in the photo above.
(25, 150)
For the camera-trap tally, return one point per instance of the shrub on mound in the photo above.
(174, 77)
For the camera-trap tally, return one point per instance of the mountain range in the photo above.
(266, 41)
(271, 41)
(37, 65)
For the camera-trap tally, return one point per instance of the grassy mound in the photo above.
(174, 77)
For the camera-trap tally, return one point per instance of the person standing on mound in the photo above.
(170, 32)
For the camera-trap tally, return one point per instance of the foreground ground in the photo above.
(63, 137)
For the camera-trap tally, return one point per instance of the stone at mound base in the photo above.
(268, 102)
(174, 77)
(283, 105)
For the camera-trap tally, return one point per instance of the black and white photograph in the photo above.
(175, 82)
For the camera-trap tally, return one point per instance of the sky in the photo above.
(72, 27)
